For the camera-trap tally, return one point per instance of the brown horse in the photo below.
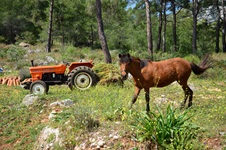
(147, 73)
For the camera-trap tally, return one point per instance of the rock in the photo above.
(29, 99)
(37, 51)
(64, 103)
(101, 143)
(47, 138)
(161, 100)
(52, 115)
(116, 137)
(54, 104)
(67, 102)
(221, 133)
(49, 59)
(29, 51)
(23, 44)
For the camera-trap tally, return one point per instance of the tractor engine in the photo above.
(52, 78)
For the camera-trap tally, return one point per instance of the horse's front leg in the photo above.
(136, 93)
(147, 98)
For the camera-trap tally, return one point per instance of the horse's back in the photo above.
(167, 71)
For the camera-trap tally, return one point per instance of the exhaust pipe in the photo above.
(32, 63)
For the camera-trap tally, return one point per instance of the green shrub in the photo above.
(72, 53)
(27, 37)
(80, 118)
(2, 39)
(192, 58)
(24, 73)
(168, 130)
(15, 53)
(3, 53)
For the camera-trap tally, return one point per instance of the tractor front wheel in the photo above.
(39, 87)
(82, 78)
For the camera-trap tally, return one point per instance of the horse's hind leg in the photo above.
(147, 98)
(187, 92)
(190, 97)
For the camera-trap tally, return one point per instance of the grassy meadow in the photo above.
(104, 108)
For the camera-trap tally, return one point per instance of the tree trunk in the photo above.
(224, 28)
(92, 36)
(48, 47)
(164, 27)
(102, 37)
(159, 28)
(217, 48)
(149, 28)
(174, 26)
(194, 34)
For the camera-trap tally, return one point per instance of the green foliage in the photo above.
(79, 118)
(170, 130)
(2, 39)
(27, 37)
(74, 22)
(24, 73)
(192, 58)
(15, 53)
(71, 53)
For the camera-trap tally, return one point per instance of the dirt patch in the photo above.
(213, 143)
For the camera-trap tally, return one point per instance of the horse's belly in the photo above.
(164, 82)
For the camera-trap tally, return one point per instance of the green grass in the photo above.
(20, 125)
(99, 107)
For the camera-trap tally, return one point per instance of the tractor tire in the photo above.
(82, 78)
(39, 87)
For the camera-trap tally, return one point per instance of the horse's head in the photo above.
(124, 62)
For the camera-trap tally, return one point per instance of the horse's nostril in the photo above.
(124, 77)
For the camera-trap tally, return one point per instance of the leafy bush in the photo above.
(71, 53)
(192, 58)
(27, 37)
(24, 73)
(15, 53)
(170, 130)
(3, 53)
(80, 118)
(2, 39)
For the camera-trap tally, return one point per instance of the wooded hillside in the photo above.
(175, 26)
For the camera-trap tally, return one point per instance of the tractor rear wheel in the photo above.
(81, 77)
(39, 87)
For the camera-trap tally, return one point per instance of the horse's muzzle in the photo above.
(124, 76)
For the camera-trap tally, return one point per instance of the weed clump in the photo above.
(168, 130)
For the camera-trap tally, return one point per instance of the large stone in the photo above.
(50, 59)
(29, 99)
(47, 138)
(23, 44)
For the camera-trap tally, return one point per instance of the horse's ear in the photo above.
(119, 55)
(128, 55)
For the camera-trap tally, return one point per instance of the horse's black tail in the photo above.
(202, 67)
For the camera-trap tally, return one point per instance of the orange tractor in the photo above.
(79, 75)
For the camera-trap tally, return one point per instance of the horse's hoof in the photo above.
(182, 106)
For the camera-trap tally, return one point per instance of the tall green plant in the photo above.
(169, 130)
